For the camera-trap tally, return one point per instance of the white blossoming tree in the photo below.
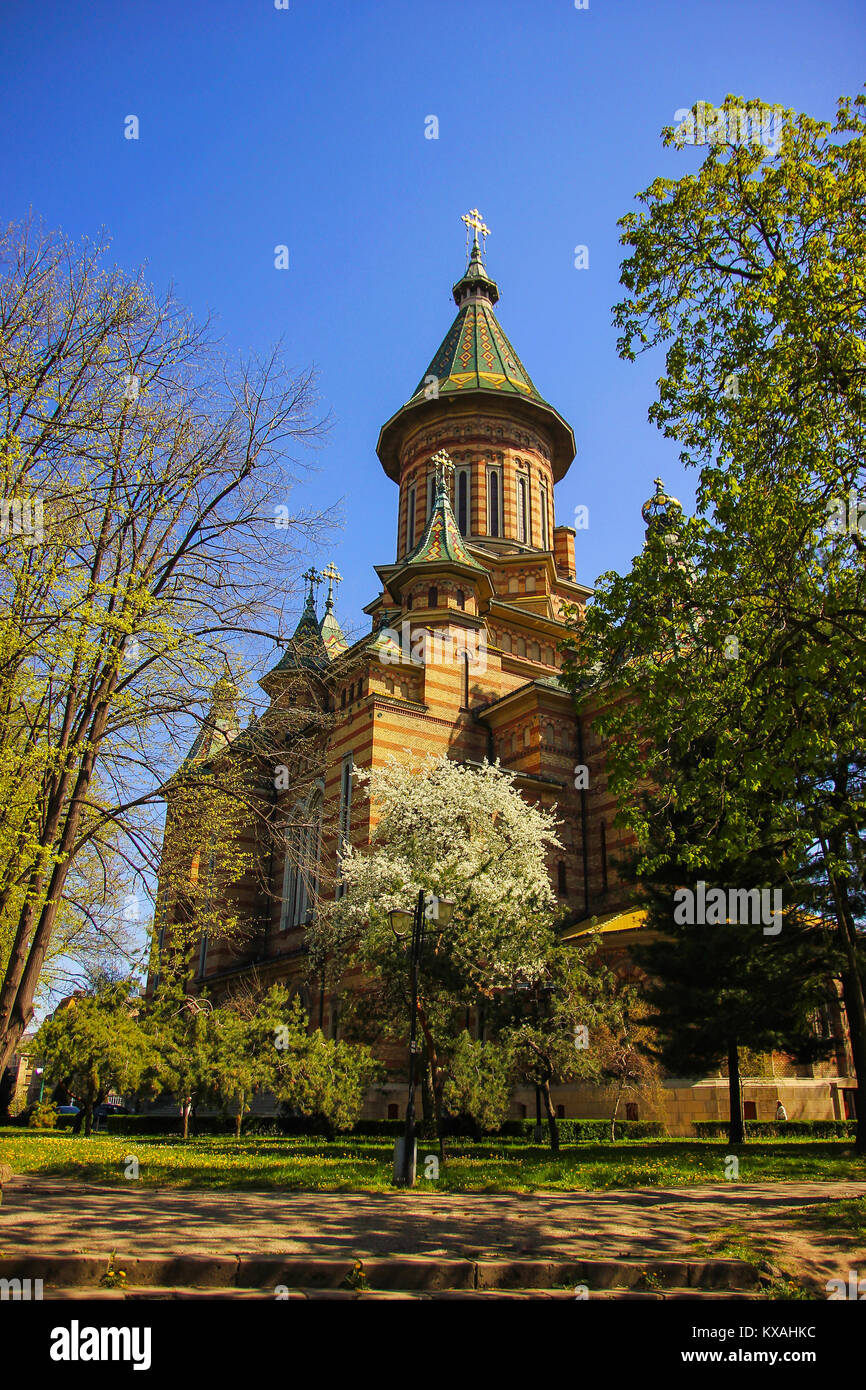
(457, 832)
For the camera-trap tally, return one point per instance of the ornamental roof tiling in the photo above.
(306, 647)
(442, 541)
(475, 354)
(219, 729)
(475, 357)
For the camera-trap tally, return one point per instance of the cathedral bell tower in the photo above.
(477, 401)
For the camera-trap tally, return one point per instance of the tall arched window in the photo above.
(410, 517)
(345, 816)
(432, 597)
(300, 870)
(603, 847)
(463, 501)
(545, 535)
(494, 502)
(523, 508)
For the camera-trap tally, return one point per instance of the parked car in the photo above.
(67, 1109)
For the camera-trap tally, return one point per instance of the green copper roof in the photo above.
(442, 541)
(219, 729)
(306, 648)
(475, 354)
(331, 633)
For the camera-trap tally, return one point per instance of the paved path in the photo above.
(49, 1214)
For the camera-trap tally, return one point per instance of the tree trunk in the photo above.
(88, 1118)
(735, 1121)
(615, 1111)
(551, 1116)
(855, 1008)
(438, 1080)
(28, 955)
(239, 1119)
(427, 1104)
(185, 1107)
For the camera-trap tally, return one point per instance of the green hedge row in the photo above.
(570, 1131)
(577, 1131)
(780, 1129)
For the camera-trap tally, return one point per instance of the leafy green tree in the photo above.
(144, 475)
(551, 1025)
(95, 1045)
(625, 1046)
(236, 1070)
(182, 1032)
(311, 1074)
(479, 1082)
(732, 655)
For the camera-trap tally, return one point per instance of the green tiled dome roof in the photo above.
(475, 356)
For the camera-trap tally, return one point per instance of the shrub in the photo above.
(780, 1129)
(44, 1116)
(581, 1131)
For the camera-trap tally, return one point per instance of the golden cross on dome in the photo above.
(444, 468)
(312, 577)
(474, 220)
(330, 573)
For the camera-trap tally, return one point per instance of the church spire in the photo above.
(329, 629)
(475, 361)
(475, 283)
(442, 539)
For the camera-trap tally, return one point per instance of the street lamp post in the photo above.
(438, 910)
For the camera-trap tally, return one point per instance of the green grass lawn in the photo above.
(364, 1164)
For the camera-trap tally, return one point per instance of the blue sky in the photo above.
(306, 127)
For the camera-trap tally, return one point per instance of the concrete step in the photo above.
(262, 1275)
(163, 1294)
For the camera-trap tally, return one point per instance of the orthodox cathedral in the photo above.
(462, 657)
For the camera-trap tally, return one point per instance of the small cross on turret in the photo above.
(444, 469)
(474, 220)
(313, 579)
(330, 573)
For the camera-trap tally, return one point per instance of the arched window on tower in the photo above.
(463, 501)
(523, 508)
(410, 517)
(561, 879)
(460, 598)
(494, 502)
(432, 597)
(545, 534)
(602, 835)
(465, 680)
(431, 494)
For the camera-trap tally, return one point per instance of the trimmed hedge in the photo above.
(780, 1129)
(579, 1131)
(570, 1131)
